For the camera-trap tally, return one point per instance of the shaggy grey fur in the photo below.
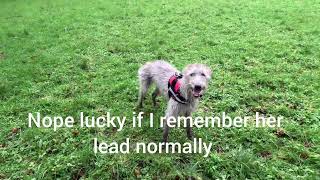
(193, 84)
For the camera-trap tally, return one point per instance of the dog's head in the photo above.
(197, 76)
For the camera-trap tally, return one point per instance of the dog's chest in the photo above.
(186, 109)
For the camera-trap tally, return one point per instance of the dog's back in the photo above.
(157, 72)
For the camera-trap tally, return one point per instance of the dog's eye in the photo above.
(192, 74)
(202, 74)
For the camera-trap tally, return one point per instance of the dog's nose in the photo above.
(197, 88)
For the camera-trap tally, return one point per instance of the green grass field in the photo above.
(64, 57)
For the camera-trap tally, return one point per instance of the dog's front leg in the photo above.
(165, 132)
(188, 127)
(170, 112)
(166, 128)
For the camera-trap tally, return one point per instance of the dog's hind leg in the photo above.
(144, 86)
(154, 96)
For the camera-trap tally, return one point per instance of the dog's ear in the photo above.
(207, 72)
(187, 69)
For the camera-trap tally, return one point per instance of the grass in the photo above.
(63, 57)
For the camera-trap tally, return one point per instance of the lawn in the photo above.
(66, 57)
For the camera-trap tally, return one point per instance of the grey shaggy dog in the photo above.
(193, 84)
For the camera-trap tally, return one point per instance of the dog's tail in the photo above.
(144, 71)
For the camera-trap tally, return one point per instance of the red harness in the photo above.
(174, 85)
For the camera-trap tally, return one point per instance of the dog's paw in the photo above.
(191, 138)
(156, 104)
(138, 107)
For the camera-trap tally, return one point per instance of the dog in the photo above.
(182, 91)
